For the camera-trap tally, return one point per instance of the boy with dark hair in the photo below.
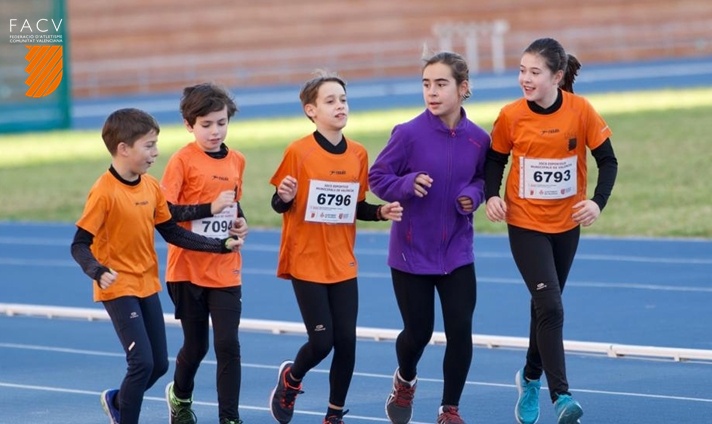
(203, 185)
(114, 245)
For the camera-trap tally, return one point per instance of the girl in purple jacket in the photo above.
(434, 166)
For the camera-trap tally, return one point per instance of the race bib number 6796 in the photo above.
(331, 202)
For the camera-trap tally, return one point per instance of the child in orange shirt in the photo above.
(548, 132)
(203, 185)
(114, 245)
(321, 189)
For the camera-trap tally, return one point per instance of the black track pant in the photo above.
(139, 324)
(329, 312)
(193, 306)
(544, 261)
(415, 295)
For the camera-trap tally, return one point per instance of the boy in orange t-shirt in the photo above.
(203, 185)
(114, 245)
(321, 189)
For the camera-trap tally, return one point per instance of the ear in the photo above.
(464, 88)
(310, 110)
(558, 77)
(188, 126)
(122, 149)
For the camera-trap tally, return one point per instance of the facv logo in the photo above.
(45, 64)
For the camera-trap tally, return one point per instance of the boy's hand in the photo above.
(224, 199)
(108, 278)
(287, 189)
(239, 228)
(392, 211)
(234, 244)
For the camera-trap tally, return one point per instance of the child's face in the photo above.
(142, 154)
(331, 110)
(210, 130)
(538, 83)
(442, 95)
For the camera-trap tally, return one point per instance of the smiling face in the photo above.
(210, 130)
(539, 84)
(442, 94)
(330, 111)
(139, 157)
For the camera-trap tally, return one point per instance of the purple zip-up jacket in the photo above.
(435, 235)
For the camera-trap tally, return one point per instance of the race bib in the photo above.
(331, 202)
(216, 226)
(547, 178)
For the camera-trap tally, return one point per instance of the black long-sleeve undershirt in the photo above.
(169, 230)
(364, 210)
(182, 213)
(605, 160)
(607, 173)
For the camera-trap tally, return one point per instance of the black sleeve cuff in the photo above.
(280, 206)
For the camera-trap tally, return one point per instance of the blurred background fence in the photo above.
(124, 47)
(134, 46)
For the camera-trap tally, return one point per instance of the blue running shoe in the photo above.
(107, 402)
(284, 395)
(568, 411)
(527, 409)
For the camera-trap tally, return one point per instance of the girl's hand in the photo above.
(466, 204)
(496, 209)
(587, 213)
(421, 185)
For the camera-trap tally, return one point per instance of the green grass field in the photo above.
(660, 139)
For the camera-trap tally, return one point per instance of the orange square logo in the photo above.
(44, 69)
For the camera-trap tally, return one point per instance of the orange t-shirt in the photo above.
(544, 148)
(318, 251)
(122, 219)
(192, 177)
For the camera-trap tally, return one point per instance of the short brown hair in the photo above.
(127, 126)
(202, 99)
(310, 89)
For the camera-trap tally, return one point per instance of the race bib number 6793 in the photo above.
(547, 178)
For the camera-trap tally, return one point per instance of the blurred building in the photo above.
(135, 46)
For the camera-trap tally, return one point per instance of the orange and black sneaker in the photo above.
(335, 418)
(283, 395)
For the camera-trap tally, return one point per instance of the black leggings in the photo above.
(193, 306)
(142, 332)
(415, 295)
(329, 313)
(544, 260)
